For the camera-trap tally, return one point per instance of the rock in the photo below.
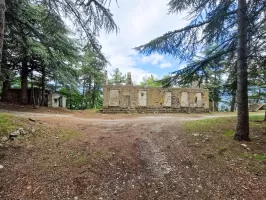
(28, 187)
(208, 155)
(33, 120)
(1, 166)
(33, 130)
(4, 139)
(14, 134)
(196, 134)
(76, 198)
(244, 145)
(22, 132)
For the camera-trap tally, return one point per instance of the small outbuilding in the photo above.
(56, 100)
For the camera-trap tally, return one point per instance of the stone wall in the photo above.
(126, 99)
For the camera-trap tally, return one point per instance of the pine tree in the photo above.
(117, 77)
(2, 25)
(233, 25)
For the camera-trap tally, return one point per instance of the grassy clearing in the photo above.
(220, 133)
(225, 125)
(8, 123)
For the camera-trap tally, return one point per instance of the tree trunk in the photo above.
(32, 91)
(70, 103)
(233, 103)
(93, 96)
(83, 94)
(89, 91)
(242, 126)
(6, 86)
(24, 82)
(43, 85)
(2, 26)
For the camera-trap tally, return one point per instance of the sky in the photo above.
(140, 21)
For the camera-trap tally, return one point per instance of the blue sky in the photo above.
(140, 21)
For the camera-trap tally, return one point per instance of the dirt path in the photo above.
(114, 157)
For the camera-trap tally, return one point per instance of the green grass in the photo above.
(229, 133)
(67, 135)
(78, 159)
(258, 157)
(224, 125)
(7, 124)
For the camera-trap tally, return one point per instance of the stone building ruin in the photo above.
(136, 99)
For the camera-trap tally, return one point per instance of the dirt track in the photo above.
(118, 157)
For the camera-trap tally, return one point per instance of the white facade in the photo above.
(56, 100)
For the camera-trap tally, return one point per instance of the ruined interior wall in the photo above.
(152, 98)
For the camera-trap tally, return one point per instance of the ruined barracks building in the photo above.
(136, 99)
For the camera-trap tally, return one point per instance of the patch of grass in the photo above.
(258, 157)
(7, 124)
(67, 135)
(224, 125)
(256, 117)
(208, 125)
(78, 159)
(229, 133)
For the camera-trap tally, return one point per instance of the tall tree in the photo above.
(117, 77)
(39, 40)
(92, 78)
(2, 25)
(242, 126)
(228, 24)
(151, 81)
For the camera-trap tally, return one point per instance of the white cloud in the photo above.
(138, 26)
(127, 64)
(153, 59)
(165, 65)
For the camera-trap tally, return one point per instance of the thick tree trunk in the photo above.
(24, 82)
(6, 86)
(2, 25)
(233, 103)
(242, 126)
(43, 85)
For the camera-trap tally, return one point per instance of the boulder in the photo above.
(14, 134)
(33, 130)
(4, 139)
(22, 132)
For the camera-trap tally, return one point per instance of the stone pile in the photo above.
(18, 133)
